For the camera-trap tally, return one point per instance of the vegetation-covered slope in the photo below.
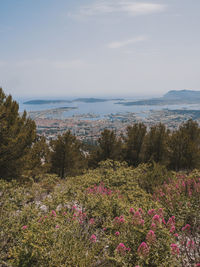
(102, 218)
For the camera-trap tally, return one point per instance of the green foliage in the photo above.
(67, 157)
(155, 144)
(82, 220)
(152, 175)
(17, 134)
(38, 158)
(108, 147)
(184, 146)
(133, 143)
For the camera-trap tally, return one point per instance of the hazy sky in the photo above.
(99, 47)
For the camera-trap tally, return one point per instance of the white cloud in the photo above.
(102, 7)
(119, 44)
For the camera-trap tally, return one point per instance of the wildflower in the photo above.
(137, 218)
(151, 237)
(121, 219)
(24, 227)
(57, 226)
(176, 235)
(143, 250)
(117, 233)
(104, 229)
(175, 249)
(121, 248)
(198, 265)
(171, 222)
(92, 221)
(93, 238)
(140, 210)
(186, 228)
(151, 212)
(153, 226)
(53, 213)
(156, 219)
(173, 228)
(191, 244)
(131, 210)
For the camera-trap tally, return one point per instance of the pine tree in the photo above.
(184, 147)
(17, 134)
(108, 146)
(67, 157)
(38, 158)
(133, 143)
(155, 145)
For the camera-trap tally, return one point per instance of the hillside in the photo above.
(102, 218)
(171, 97)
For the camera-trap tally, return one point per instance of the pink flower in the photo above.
(172, 229)
(151, 212)
(57, 226)
(156, 219)
(191, 244)
(176, 235)
(198, 264)
(151, 237)
(53, 213)
(92, 221)
(175, 249)
(24, 227)
(117, 233)
(131, 210)
(140, 210)
(143, 250)
(153, 226)
(137, 218)
(171, 222)
(104, 229)
(186, 227)
(93, 238)
(121, 248)
(121, 219)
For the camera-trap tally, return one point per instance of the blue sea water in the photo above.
(102, 109)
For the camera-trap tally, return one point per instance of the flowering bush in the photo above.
(102, 218)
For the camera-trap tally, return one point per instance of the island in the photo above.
(45, 102)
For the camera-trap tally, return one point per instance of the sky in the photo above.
(126, 48)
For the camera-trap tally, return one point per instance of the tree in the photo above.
(133, 143)
(108, 147)
(184, 147)
(37, 160)
(155, 144)
(17, 133)
(67, 157)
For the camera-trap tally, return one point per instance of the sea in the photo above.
(102, 109)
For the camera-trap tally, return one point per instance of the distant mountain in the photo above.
(182, 94)
(171, 97)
